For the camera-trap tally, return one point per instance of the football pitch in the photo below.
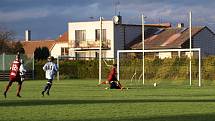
(82, 100)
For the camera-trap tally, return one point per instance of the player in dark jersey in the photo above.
(112, 79)
(14, 76)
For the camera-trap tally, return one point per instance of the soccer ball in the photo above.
(155, 84)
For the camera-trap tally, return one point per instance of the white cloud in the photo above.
(155, 10)
(23, 14)
(48, 11)
(171, 12)
(81, 11)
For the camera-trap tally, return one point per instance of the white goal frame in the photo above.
(160, 50)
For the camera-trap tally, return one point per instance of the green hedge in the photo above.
(173, 68)
(74, 69)
(38, 71)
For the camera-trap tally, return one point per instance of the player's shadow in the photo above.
(5, 103)
(190, 117)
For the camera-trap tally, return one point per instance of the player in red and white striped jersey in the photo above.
(14, 76)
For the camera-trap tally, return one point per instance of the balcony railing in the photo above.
(89, 44)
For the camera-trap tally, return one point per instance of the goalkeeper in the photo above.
(112, 79)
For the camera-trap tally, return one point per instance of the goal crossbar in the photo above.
(160, 50)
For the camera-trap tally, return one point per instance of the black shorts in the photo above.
(18, 80)
(114, 85)
(50, 81)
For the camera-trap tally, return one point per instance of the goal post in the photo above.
(196, 51)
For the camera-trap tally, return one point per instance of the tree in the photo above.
(5, 37)
(7, 43)
(18, 47)
(44, 53)
(37, 53)
(41, 53)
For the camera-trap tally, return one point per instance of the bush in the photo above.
(174, 68)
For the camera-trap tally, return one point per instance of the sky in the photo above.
(47, 19)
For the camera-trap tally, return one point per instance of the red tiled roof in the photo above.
(30, 46)
(63, 38)
(162, 25)
(168, 38)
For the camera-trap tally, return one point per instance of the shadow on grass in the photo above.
(5, 103)
(191, 117)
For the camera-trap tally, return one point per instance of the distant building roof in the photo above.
(148, 33)
(63, 38)
(167, 38)
(162, 25)
(30, 46)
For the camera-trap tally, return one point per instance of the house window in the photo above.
(80, 35)
(80, 55)
(98, 34)
(97, 55)
(103, 54)
(64, 51)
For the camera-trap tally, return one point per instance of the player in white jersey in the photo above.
(50, 69)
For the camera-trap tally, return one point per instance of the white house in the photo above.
(84, 37)
(61, 46)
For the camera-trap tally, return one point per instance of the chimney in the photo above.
(180, 25)
(27, 35)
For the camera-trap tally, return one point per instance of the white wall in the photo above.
(90, 28)
(163, 55)
(56, 50)
(119, 34)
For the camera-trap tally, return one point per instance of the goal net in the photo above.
(163, 67)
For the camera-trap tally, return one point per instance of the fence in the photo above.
(7, 59)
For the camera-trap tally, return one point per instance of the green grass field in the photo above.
(82, 100)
